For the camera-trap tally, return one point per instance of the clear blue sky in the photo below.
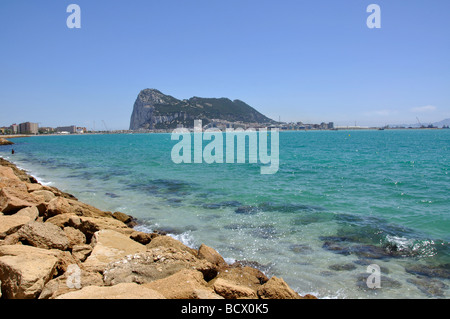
(309, 61)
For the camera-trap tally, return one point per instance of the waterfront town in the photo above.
(29, 128)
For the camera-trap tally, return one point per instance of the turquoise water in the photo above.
(341, 200)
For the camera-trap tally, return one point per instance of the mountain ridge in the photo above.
(156, 110)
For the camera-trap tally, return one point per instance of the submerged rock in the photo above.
(4, 141)
(385, 282)
(246, 210)
(430, 286)
(342, 267)
(429, 270)
(300, 248)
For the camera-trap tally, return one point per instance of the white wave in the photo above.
(186, 238)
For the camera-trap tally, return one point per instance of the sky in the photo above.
(295, 60)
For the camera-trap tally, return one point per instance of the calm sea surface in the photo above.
(341, 200)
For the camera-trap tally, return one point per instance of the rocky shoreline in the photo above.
(4, 141)
(53, 246)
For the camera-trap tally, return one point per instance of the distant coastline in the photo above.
(338, 128)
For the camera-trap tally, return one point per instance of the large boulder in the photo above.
(81, 252)
(25, 271)
(43, 195)
(143, 238)
(11, 224)
(8, 173)
(31, 212)
(61, 205)
(185, 284)
(169, 242)
(90, 225)
(120, 291)
(154, 264)
(244, 276)
(67, 283)
(4, 141)
(75, 236)
(110, 246)
(230, 290)
(211, 255)
(277, 288)
(13, 200)
(44, 235)
(21, 174)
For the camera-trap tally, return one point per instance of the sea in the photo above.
(348, 214)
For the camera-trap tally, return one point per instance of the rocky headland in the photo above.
(155, 110)
(54, 246)
(4, 141)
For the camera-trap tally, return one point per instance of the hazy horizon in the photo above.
(309, 61)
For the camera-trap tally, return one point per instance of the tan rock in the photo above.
(23, 276)
(169, 242)
(90, 225)
(59, 193)
(110, 246)
(75, 236)
(13, 200)
(23, 176)
(4, 141)
(44, 235)
(205, 294)
(63, 220)
(31, 187)
(154, 264)
(124, 218)
(229, 290)
(211, 255)
(43, 195)
(120, 291)
(81, 252)
(15, 184)
(8, 173)
(11, 224)
(142, 238)
(31, 212)
(185, 284)
(61, 205)
(243, 276)
(64, 258)
(277, 288)
(66, 283)
(12, 239)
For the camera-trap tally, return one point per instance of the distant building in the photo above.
(28, 128)
(67, 129)
(46, 130)
(14, 129)
(81, 130)
(330, 125)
